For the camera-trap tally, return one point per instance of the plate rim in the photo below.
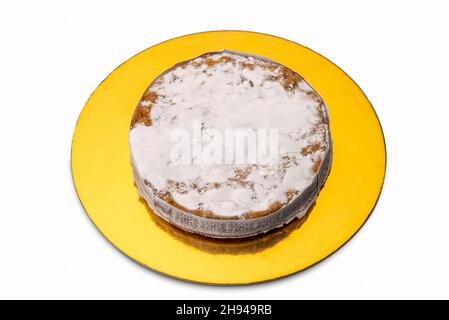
(250, 283)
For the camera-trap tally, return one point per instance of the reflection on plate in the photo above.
(228, 246)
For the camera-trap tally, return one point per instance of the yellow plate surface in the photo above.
(103, 177)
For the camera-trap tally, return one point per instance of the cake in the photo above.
(230, 145)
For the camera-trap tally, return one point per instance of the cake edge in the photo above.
(237, 228)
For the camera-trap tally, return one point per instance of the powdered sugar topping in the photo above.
(219, 93)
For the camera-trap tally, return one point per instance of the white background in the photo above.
(54, 54)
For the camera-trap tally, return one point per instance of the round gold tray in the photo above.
(102, 170)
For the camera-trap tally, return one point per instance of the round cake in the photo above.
(229, 145)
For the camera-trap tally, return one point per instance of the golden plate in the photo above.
(103, 176)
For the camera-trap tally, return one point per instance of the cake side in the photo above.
(241, 228)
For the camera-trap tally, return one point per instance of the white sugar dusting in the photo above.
(222, 96)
